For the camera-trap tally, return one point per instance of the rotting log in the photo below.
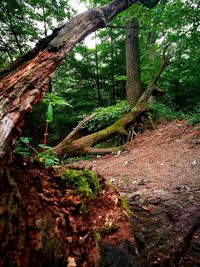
(23, 83)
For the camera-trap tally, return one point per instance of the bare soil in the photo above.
(159, 175)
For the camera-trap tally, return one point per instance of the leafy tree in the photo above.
(23, 22)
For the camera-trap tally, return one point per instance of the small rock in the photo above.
(71, 262)
(142, 182)
(119, 153)
(1, 210)
(69, 239)
(98, 156)
(195, 161)
(125, 162)
(112, 181)
(191, 197)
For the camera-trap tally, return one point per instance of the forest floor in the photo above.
(42, 221)
(159, 175)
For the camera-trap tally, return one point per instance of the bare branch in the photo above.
(81, 123)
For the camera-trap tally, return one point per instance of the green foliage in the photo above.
(165, 112)
(176, 24)
(50, 113)
(107, 116)
(21, 147)
(22, 23)
(125, 206)
(48, 156)
(52, 99)
(97, 235)
(194, 117)
(84, 181)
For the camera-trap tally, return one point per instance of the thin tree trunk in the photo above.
(133, 83)
(15, 35)
(100, 100)
(44, 21)
(112, 67)
(7, 49)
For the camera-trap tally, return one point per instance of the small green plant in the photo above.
(125, 206)
(84, 208)
(48, 156)
(108, 230)
(22, 147)
(194, 117)
(126, 180)
(84, 181)
(52, 99)
(97, 235)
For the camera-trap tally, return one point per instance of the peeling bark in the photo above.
(24, 83)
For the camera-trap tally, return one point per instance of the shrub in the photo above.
(107, 116)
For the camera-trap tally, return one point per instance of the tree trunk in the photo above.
(100, 100)
(23, 84)
(6, 49)
(113, 99)
(133, 83)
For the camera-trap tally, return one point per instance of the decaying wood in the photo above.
(78, 127)
(23, 84)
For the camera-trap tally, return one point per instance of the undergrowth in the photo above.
(106, 116)
(170, 112)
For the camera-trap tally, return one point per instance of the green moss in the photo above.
(108, 230)
(125, 206)
(105, 231)
(97, 235)
(84, 181)
(84, 209)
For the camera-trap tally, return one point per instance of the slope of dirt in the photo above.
(160, 177)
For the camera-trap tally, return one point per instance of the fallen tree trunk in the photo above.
(85, 145)
(23, 84)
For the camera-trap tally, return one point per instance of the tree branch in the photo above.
(81, 123)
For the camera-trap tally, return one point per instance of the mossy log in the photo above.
(85, 145)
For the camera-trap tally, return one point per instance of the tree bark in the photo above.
(24, 83)
(133, 83)
(100, 100)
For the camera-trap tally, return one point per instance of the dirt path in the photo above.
(160, 177)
